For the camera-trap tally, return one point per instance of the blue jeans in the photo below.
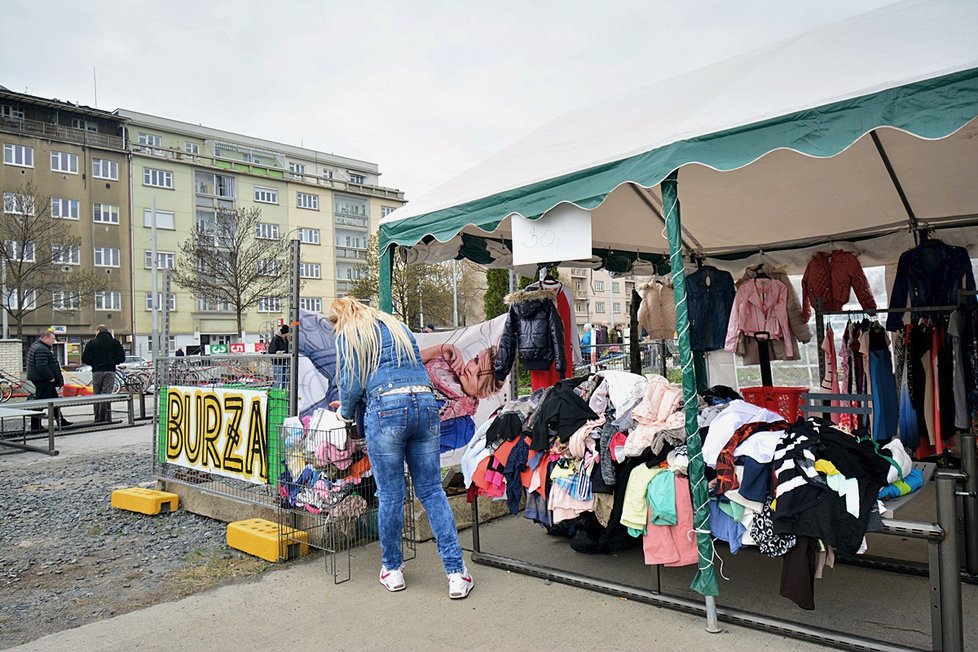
(405, 428)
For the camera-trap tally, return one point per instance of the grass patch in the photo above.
(211, 568)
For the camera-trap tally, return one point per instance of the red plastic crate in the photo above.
(783, 400)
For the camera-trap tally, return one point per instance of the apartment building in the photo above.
(330, 203)
(599, 298)
(76, 158)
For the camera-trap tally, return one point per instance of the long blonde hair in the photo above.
(359, 345)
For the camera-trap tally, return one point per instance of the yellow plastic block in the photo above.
(145, 501)
(267, 540)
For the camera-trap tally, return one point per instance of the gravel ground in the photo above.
(67, 558)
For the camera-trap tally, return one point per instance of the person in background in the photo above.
(103, 353)
(587, 339)
(44, 371)
(381, 376)
(179, 353)
(280, 345)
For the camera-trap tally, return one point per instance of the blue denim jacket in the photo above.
(709, 307)
(388, 375)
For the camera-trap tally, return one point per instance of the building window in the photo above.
(310, 270)
(616, 308)
(21, 155)
(64, 209)
(191, 148)
(105, 213)
(307, 200)
(266, 195)
(208, 305)
(580, 308)
(18, 204)
(164, 260)
(309, 236)
(599, 307)
(164, 219)
(171, 301)
(158, 178)
(270, 304)
(108, 300)
(328, 175)
(64, 300)
(9, 112)
(269, 268)
(599, 286)
(298, 170)
(357, 178)
(152, 140)
(66, 254)
(353, 209)
(267, 231)
(313, 304)
(615, 287)
(386, 210)
(13, 301)
(64, 162)
(103, 168)
(107, 257)
(85, 125)
(218, 185)
(20, 252)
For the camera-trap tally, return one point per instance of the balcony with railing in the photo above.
(262, 170)
(351, 220)
(351, 253)
(61, 133)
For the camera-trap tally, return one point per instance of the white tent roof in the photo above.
(779, 146)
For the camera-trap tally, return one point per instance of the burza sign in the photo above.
(220, 431)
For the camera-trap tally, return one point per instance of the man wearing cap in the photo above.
(44, 371)
(280, 345)
(103, 353)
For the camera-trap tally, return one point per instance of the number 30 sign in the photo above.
(562, 234)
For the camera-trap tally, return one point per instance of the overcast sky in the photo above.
(425, 89)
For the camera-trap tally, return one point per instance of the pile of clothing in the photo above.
(600, 458)
(324, 472)
(804, 491)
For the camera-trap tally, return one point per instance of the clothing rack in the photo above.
(966, 440)
(821, 314)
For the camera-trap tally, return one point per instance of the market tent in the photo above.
(861, 128)
(811, 137)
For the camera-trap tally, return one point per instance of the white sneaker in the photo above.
(393, 580)
(460, 584)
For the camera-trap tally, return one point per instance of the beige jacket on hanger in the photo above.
(657, 313)
(747, 348)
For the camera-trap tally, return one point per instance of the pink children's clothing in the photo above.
(673, 545)
(761, 304)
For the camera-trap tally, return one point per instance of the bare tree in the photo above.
(422, 293)
(40, 258)
(228, 260)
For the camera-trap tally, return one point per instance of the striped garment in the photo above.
(797, 485)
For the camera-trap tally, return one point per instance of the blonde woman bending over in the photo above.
(379, 368)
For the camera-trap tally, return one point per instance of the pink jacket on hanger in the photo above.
(761, 304)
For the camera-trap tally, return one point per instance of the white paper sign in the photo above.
(562, 234)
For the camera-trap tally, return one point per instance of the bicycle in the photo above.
(11, 385)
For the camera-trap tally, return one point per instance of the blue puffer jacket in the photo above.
(533, 328)
(388, 375)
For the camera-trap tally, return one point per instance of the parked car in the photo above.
(133, 361)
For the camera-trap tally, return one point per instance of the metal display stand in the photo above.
(947, 629)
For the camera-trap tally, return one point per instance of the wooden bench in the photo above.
(38, 407)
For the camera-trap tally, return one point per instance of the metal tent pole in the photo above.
(969, 465)
(705, 581)
(385, 285)
(294, 286)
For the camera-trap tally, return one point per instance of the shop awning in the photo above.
(861, 127)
